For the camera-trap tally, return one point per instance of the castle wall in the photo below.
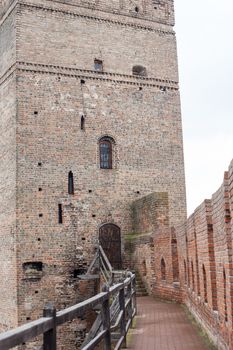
(8, 289)
(8, 246)
(76, 40)
(209, 244)
(57, 44)
(152, 247)
(8, 43)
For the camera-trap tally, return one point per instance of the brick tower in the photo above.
(90, 122)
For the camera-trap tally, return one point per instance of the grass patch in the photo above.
(200, 330)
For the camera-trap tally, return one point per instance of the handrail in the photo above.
(47, 325)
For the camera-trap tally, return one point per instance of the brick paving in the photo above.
(163, 326)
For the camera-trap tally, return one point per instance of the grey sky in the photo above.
(205, 50)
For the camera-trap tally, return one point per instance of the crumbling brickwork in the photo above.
(74, 73)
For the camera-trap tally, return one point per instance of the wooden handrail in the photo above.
(47, 325)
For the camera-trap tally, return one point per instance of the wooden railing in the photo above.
(47, 325)
(103, 265)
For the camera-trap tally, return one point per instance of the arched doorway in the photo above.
(110, 240)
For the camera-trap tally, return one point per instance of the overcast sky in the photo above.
(205, 51)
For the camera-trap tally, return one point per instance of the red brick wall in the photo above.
(152, 242)
(209, 244)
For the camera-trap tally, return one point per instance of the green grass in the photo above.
(208, 342)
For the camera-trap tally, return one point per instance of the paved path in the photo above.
(163, 326)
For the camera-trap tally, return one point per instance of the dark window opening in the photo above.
(78, 272)
(40, 215)
(205, 284)
(39, 164)
(163, 270)
(193, 278)
(35, 265)
(139, 71)
(98, 64)
(225, 295)
(82, 81)
(60, 214)
(185, 272)
(71, 183)
(35, 112)
(136, 9)
(82, 123)
(105, 154)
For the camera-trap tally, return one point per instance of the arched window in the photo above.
(105, 151)
(70, 183)
(139, 71)
(225, 294)
(163, 270)
(205, 284)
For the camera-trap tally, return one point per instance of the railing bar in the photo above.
(127, 302)
(74, 311)
(95, 340)
(92, 264)
(106, 278)
(105, 270)
(116, 324)
(24, 333)
(119, 343)
(105, 258)
(116, 288)
(128, 325)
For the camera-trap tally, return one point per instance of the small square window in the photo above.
(98, 64)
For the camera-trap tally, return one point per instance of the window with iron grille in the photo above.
(98, 64)
(105, 150)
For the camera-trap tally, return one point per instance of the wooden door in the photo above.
(110, 240)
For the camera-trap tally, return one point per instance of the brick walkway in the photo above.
(163, 326)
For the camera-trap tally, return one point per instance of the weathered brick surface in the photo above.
(50, 48)
(152, 242)
(209, 244)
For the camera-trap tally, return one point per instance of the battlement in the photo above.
(161, 11)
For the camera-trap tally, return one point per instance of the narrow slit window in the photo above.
(163, 270)
(185, 272)
(225, 295)
(193, 278)
(105, 154)
(70, 183)
(60, 214)
(82, 122)
(98, 65)
(205, 284)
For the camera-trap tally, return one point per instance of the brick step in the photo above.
(140, 286)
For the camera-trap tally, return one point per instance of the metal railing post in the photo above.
(123, 321)
(106, 320)
(135, 294)
(50, 341)
(129, 294)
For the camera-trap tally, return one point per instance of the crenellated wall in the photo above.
(205, 260)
